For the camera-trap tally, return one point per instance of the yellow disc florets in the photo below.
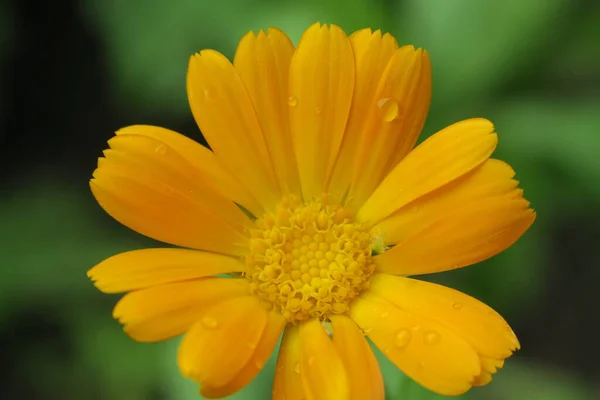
(309, 260)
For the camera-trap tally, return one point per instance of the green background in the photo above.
(72, 72)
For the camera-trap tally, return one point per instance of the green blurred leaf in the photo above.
(532, 382)
(49, 242)
(476, 46)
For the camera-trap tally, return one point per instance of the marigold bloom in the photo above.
(315, 202)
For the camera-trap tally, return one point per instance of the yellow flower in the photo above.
(315, 202)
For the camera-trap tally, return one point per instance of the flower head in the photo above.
(316, 204)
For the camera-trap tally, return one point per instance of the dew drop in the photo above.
(251, 345)
(311, 360)
(208, 96)
(209, 322)
(297, 368)
(318, 110)
(161, 150)
(259, 364)
(292, 101)
(388, 108)
(402, 338)
(432, 338)
(457, 306)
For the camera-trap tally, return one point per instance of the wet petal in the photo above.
(262, 352)
(225, 114)
(320, 94)
(442, 158)
(287, 384)
(263, 63)
(361, 365)
(165, 311)
(139, 269)
(425, 350)
(464, 236)
(213, 352)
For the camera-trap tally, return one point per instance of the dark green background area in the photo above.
(72, 72)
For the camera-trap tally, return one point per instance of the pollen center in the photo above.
(309, 260)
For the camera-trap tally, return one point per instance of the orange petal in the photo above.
(321, 368)
(372, 53)
(320, 94)
(472, 233)
(213, 352)
(147, 186)
(442, 158)
(486, 331)
(225, 114)
(492, 178)
(204, 160)
(166, 311)
(263, 63)
(394, 118)
(275, 325)
(139, 269)
(425, 350)
(287, 384)
(361, 365)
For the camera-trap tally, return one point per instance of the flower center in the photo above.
(309, 260)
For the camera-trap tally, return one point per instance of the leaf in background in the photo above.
(533, 382)
(565, 134)
(148, 47)
(50, 239)
(475, 45)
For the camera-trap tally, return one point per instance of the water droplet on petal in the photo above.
(457, 306)
(432, 338)
(209, 322)
(161, 150)
(292, 101)
(208, 96)
(402, 338)
(318, 110)
(297, 368)
(251, 345)
(311, 360)
(388, 108)
(259, 364)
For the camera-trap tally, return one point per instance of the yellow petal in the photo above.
(263, 63)
(486, 331)
(372, 53)
(394, 118)
(287, 384)
(222, 342)
(204, 160)
(442, 158)
(262, 352)
(162, 312)
(225, 114)
(158, 194)
(492, 178)
(321, 368)
(358, 358)
(320, 94)
(139, 269)
(489, 366)
(467, 235)
(425, 350)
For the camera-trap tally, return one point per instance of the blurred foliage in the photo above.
(532, 67)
